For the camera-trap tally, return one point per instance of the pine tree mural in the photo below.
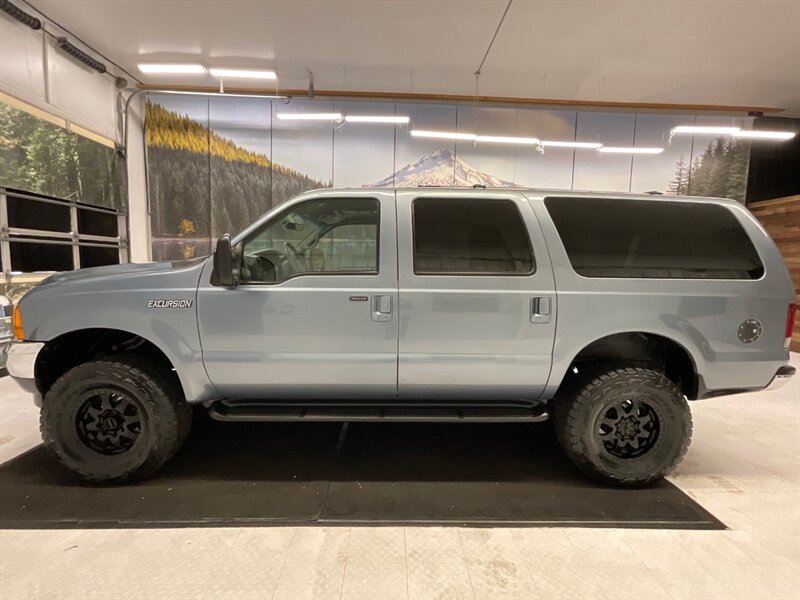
(38, 156)
(720, 171)
(200, 176)
(680, 185)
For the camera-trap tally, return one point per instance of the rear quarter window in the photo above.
(653, 239)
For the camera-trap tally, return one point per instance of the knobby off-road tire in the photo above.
(115, 420)
(628, 427)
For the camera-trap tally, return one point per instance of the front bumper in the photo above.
(20, 362)
(22, 359)
(782, 377)
(5, 342)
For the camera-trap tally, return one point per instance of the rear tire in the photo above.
(115, 420)
(628, 427)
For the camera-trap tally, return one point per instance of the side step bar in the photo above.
(480, 413)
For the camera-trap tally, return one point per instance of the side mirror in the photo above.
(224, 272)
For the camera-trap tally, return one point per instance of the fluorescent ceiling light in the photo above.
(736, 132)
(707, 129)
(641, 150)
(764, 135)
(242, 73)
(184, 69)
(447, 135)
(554, 144)
(499, 139)
(309, 116)
(376, 119)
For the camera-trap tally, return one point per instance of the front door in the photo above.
(315, 314)
(477, 297)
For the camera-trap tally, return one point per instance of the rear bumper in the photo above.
(782, 377)
(20, 362)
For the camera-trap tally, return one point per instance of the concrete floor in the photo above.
(743, 466)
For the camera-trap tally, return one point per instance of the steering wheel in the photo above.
(257, 268)
(294, 257)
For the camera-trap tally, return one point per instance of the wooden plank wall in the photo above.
(781, 218)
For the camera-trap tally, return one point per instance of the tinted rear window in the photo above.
(653, 238)
(470, 237)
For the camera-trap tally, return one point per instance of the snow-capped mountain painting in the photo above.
(442, 168)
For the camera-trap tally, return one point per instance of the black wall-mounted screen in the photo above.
(32, 256)
(96, 256)
(94, 222)
(774, 166)
(28, 213)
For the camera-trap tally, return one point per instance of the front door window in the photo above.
(331, 236)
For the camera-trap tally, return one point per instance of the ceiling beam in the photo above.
(513, 101)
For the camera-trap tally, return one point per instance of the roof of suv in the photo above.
(529, 191)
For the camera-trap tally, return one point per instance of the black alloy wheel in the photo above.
(628, 428)
(108, 421)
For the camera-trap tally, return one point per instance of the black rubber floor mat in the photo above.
(269, 474)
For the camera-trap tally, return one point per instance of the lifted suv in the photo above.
(606, 311)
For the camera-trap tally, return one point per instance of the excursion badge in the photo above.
(169, 303)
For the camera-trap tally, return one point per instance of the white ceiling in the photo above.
(729, 52)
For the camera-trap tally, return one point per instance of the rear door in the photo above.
(477, 297)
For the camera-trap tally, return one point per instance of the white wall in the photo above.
(34, 69)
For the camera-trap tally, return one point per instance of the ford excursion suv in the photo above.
(606, 311)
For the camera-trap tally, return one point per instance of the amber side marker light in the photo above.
(19, 331)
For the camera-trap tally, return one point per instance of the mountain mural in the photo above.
(442, 168)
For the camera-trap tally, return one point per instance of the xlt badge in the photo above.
(169, 303)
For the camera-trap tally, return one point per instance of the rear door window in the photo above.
(470, 237)
(653, 239)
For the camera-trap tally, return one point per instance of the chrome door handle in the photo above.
(540, 309)
(382, 307)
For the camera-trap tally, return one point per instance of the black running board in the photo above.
(226, 410)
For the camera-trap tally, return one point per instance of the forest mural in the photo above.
(202, 184)
(215, 164)
(720, 171)
(41, 157)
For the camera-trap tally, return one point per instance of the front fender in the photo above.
(132, 304)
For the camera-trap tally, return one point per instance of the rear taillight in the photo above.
(790, 317)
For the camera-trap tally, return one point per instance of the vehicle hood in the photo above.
(121, 278)
(120, 273)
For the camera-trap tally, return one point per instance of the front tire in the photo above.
(628, 427)
(114, 420)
